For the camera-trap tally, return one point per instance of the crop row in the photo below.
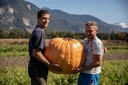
(113, 73)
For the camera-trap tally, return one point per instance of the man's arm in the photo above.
(97, 62)
(38, 55)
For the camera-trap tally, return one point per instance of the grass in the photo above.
(114, 69)
(14, 76)
(114, 72)
(13, 41)
(13, 54)
(13, 47)
(13, 50)
(19, 47)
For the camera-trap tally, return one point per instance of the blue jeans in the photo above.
(88, 79)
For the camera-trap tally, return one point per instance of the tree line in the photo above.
(14, 33)
(18, 33)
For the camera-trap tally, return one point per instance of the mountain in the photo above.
(17, 14)
(123, 26)
(22, 15)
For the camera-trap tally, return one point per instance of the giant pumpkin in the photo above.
(66, 52)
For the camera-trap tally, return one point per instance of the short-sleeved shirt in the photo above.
(92, 48)
(37, 41)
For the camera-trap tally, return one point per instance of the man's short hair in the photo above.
(91, 23)
(39, 13)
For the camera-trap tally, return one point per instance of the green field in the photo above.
(14, 60)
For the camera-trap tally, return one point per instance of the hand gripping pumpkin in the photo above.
(68, 53)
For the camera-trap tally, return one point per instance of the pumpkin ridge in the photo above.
(69, 50)
(68, 55)
(72, 52)
(55, 46)
(47, 51)
(51, 47)
(63, 56)
(59, 54)
(66, 52)
(78, 49)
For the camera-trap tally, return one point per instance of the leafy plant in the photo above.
(114, 72)
(14, 76)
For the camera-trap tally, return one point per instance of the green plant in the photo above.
(114, 72)
(14, 76)
(13, 50)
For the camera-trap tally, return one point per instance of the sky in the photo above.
(109, 11)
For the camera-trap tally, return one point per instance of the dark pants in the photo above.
(38, 75)
(38, 81)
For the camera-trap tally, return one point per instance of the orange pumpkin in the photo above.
(67, 53)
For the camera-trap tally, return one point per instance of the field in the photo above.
(14, 61)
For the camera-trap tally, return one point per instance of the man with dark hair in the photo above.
(38, 64)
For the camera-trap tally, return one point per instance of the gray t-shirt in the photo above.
(37, 40)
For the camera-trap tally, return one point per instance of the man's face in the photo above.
(90, 32)
(44, 20)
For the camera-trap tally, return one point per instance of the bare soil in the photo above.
(22, 61)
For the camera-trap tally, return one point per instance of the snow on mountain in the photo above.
(122, 24)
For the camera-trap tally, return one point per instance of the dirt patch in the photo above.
(21, 61)
(116, 56)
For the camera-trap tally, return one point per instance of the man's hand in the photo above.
(78, 70)
(55, 67)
